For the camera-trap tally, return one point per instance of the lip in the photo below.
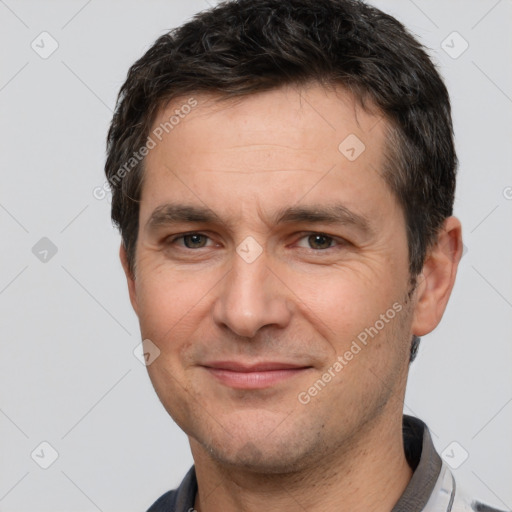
(253, 376)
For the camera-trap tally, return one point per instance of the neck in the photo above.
(367, 474)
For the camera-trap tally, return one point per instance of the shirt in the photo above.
(432, 487)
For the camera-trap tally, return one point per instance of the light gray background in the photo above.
(68, 375)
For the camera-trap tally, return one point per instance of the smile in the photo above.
(258, 376)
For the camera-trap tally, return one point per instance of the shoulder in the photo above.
(471, 505)
(448, 496)
(180, 499)
(166, 503)
(482, 507)
(464, 502)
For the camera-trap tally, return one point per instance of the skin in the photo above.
(303, 300)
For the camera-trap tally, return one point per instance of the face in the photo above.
(272, 275)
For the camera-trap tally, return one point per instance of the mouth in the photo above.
(256, 376)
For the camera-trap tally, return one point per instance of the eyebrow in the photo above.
(175, 213)
(172, 213)
(328, 214)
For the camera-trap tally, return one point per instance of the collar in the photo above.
(424, 461)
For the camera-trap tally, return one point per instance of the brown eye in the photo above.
(319, 241)
(194, 241)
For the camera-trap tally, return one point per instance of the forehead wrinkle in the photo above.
(266, 145)
(235, 171)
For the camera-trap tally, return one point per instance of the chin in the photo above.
(259, 459)
(266, 451)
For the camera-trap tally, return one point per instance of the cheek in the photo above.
(342, 302)
(175, 311)
(166, 300)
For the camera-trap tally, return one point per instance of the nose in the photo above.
(251, 297)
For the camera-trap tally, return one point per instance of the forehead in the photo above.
(287, 139)
(306, 117)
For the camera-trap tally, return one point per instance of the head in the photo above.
(283, 176)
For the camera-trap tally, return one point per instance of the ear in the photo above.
(130, 278)
(435, 283)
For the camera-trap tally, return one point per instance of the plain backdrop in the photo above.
(68, 374)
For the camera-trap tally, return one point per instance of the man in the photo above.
(283, 176)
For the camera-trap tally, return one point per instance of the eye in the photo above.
(319, 241)
(192, 240)
(313, 241)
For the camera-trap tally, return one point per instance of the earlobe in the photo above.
(437, 278)
(130, 278)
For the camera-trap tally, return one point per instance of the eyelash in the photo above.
(336, 240)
